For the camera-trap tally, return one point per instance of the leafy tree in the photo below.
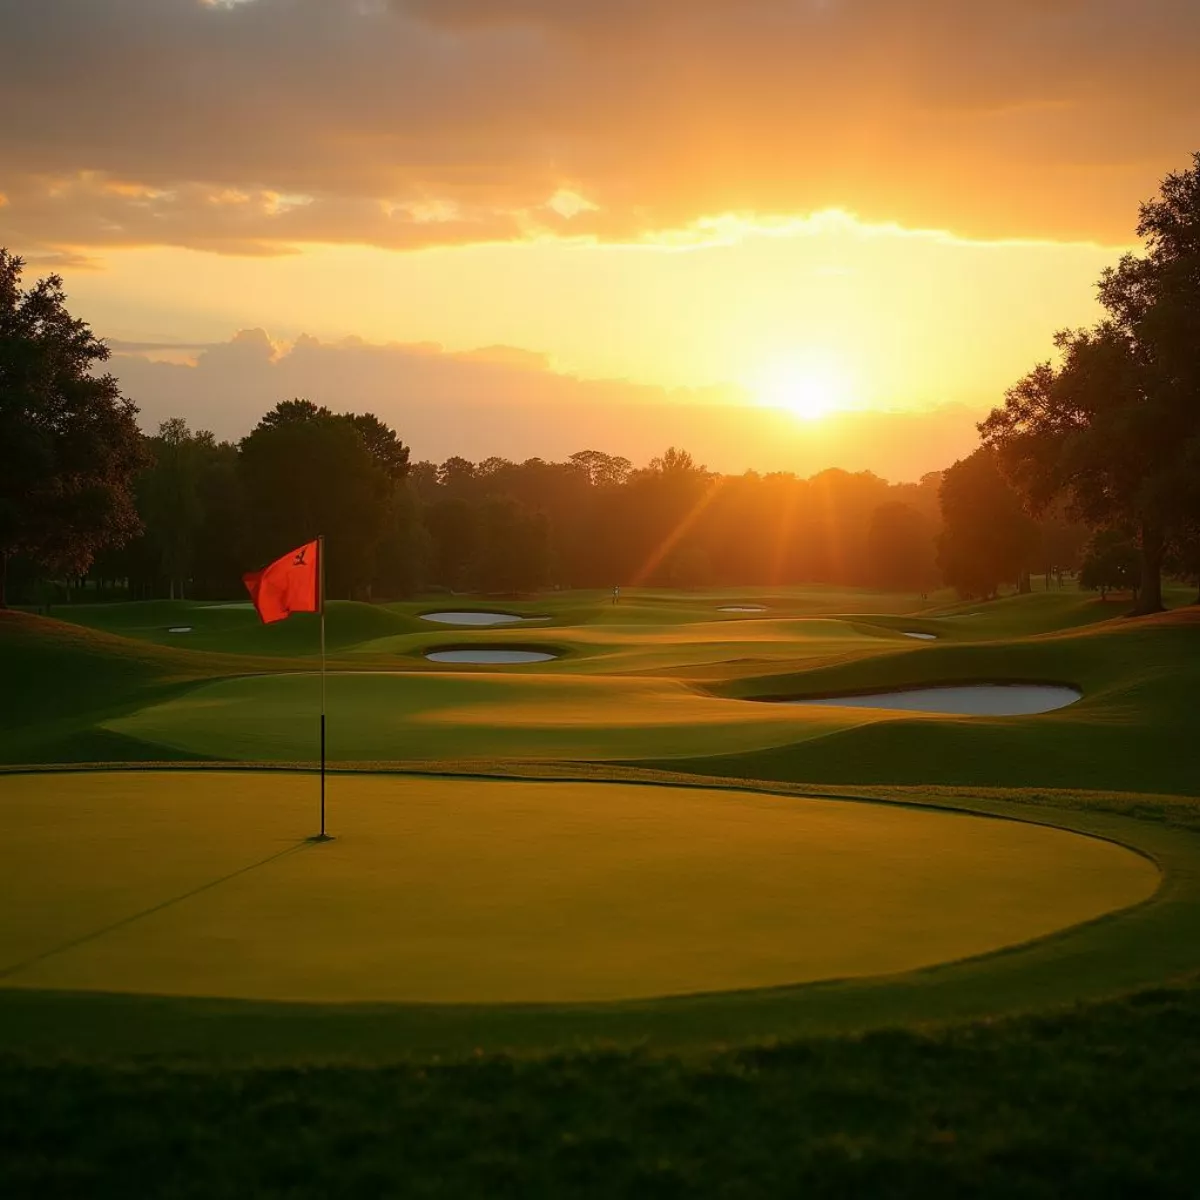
(69, 442)
(388, 451)
(987, 539)
(314, 475)
(602, 470)
(171, 507)
(900, 547)
(222, 546)
(453, 525)
(404, 549)
(1115, 426)
(1111, 561)
(457, 475)
(288, 412)
(513, 547)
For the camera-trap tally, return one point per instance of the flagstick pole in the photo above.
(321, 585)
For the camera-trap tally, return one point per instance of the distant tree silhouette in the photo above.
(388, 451)
(987, 539)
(602, 470)
(313, 474)
(69, 442)
(453, 524)
(1111, 562)
(171, 505)
(899, 547)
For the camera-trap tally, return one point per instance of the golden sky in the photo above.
(864, 204)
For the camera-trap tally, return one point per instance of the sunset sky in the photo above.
(525, 226)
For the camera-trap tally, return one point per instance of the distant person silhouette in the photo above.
(616, 593)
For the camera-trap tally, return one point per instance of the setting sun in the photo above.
(808, 389)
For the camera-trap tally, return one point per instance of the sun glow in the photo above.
(809, 388)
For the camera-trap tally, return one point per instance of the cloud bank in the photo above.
(509, 402)
(258, 126)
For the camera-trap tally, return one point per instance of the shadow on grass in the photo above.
(33, 960)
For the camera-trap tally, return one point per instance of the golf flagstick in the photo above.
(321, 608)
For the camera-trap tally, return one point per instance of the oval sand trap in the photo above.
(742, 608)
(485, 657)
(973, 700)
(180, 629)
(476, 618)
(445, 890)
(924, 637)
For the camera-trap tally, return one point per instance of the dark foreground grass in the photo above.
(1098, 1101)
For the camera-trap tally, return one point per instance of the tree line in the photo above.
(1092, 462)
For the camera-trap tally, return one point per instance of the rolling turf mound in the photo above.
(601, 905)
(235, 628)
(676, 695)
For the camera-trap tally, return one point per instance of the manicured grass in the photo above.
(212, 1096)
(465, 891)
(1135, 948)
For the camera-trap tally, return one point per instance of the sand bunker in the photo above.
(486, 656)
(975, 700)
(925, 637)
(742, 608)
(477, 618)
(180, 629)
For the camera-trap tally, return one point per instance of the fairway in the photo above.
(201, 884)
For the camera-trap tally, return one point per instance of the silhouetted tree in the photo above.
(69, 442)
(453, 525)
(170, 499)
(987, 539)
(384, 446)
(899, 547)
(1111, 561)
(1115, 426)
(314, 475)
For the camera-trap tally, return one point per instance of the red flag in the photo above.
(290, 584)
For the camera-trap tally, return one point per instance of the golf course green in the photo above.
(545, 844)
(607, 897)
(469, 891)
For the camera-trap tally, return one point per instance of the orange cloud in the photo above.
(508, 402)
(258, 126)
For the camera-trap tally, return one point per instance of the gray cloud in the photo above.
(258, 126)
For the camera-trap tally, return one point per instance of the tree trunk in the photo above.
(1149, 596)
(1024, 584)
(3, 578)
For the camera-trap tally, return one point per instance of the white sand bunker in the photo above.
(477, 618)
(742, 608)
(974, 700)
(484, 656)
(180, 629)
(925, 637)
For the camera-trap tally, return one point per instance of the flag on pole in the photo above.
(296, 583)
(290, 584)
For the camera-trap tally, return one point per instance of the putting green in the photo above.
(446, 891)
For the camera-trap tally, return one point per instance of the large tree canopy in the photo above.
(1115, 426)
(69, 442)
(306, 472)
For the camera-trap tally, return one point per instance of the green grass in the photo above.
(754, 1091)
(466, 891)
